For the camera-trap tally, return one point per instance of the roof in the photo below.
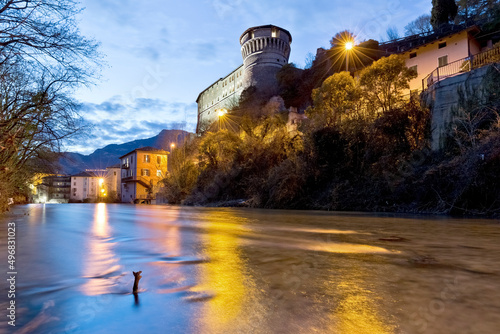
(84, 174)
(267, 26)
(405, 44)
(146, 149)
(216, 81)
(114, 166)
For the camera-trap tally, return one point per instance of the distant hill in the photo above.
(72, 163)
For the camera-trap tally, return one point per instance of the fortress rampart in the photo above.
(265, 50)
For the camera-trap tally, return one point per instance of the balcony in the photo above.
(125, 165)
(139, 179)
(461, 66)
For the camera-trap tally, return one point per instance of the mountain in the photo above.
(72, 163)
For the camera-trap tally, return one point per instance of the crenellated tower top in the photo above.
(265, 50)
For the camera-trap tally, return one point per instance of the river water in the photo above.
(213, 270)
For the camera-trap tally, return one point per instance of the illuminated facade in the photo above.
(84, 186)
(141, 171)
(436, 52)
(265, 50)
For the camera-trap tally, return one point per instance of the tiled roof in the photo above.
(146, 149)
(412, 42)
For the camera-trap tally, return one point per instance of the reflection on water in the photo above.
(358, 306)
(223, 277)
(100, 266)
(251, 271)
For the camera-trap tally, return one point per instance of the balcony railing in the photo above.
(461, 66)
(145, 182)
(125, 165)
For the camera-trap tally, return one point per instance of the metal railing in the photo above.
(145, 182)
(461, 66)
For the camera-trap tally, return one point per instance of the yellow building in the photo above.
(141, 171)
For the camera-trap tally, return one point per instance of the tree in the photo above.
(42, 30)
(336, 96)
(341, 38)
(421, 25)
(476, 11)
(43, 58)
(392, 33)
(443, 11)
(384, 81)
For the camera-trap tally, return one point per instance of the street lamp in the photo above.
(172, 146)
(220, 113)
(348, 47)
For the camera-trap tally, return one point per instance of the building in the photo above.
(53, 189)
(113, 181)
(450, 59)
(86, 186)
(437, 55)
(265, 50)
(141, 171)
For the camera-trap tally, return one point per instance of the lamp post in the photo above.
(220, 113)
(172, 146)
(348, 47)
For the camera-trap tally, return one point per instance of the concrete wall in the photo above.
(442, 98)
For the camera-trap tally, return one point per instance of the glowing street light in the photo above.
(348, 47)
(172, 146)
(220, 113)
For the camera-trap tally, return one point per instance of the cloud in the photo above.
(118, 121)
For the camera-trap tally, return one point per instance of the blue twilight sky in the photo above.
(161, 54)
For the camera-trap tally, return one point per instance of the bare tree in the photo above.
(421, 25)
(44, 31)
(43, 58)
(392, 33)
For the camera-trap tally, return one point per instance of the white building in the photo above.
(113, 181)
(85, 186)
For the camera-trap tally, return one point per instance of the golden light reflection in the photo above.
(100, 226)
(224, 276)
(101, 265)
(357, 309)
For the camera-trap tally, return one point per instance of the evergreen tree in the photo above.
(443, 11)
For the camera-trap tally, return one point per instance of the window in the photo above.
(74, 183)
(414, 69)
(442, 61)
(442, 45)
(158, 160)
(145, 172)
(413, 55)
(158, 173)
(146, 158)
(114, 173)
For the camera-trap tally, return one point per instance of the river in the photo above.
(228, 270)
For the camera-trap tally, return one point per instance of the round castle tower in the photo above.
(265, 50)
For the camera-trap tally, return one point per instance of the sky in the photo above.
(159, 55)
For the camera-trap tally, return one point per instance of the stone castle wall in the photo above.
(265, 50)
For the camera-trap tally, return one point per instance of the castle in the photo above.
(265, 50)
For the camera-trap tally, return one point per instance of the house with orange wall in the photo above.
(141, 171)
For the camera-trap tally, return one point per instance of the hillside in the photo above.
(72, 163)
